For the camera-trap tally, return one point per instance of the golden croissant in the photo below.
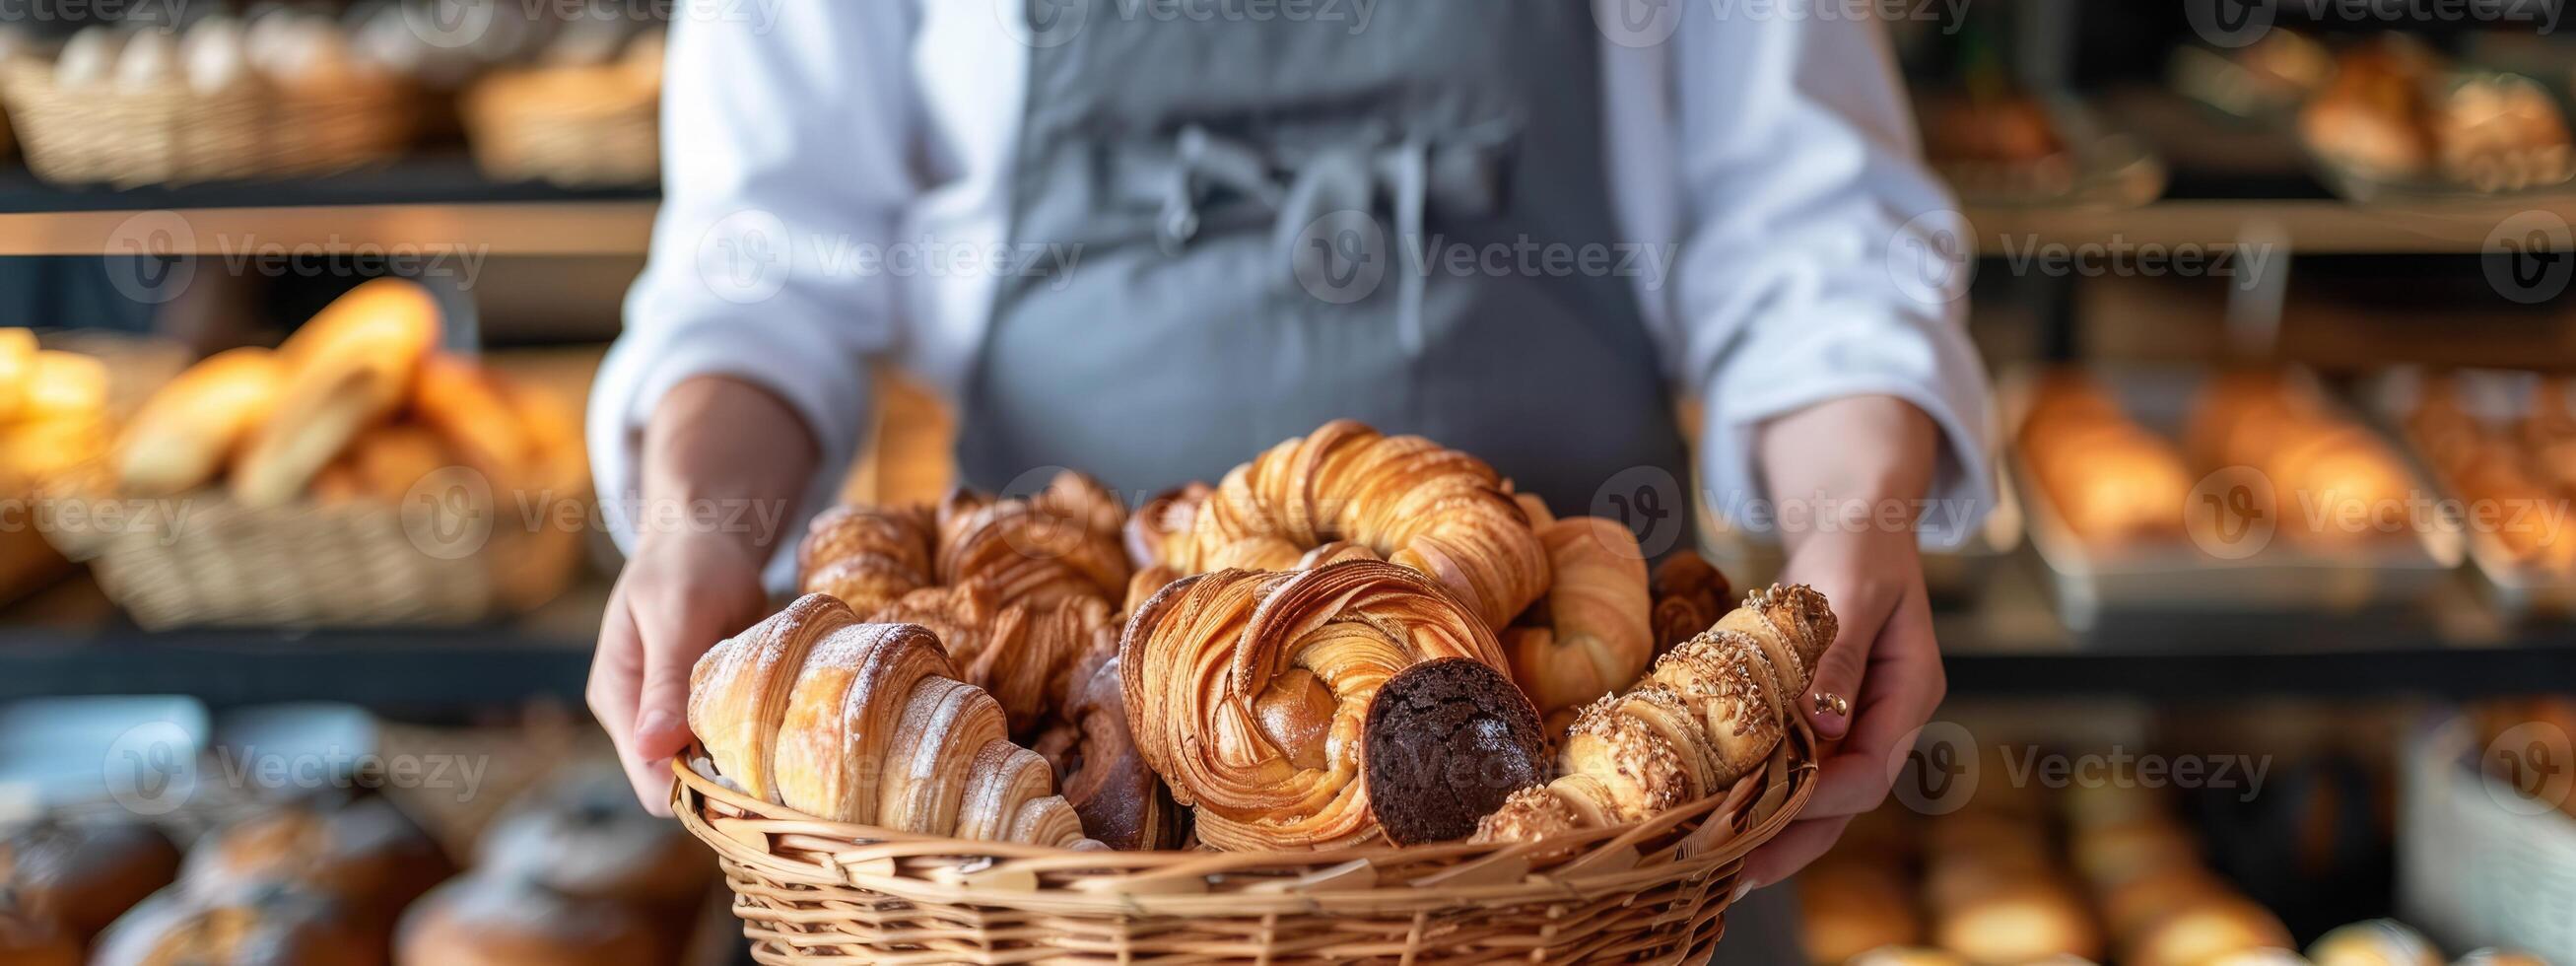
(868, 723)
(1023, 653)
(1438, 511)
(1595, 632)
(1248, 691)
(1711, 712)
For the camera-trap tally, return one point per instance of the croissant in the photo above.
(1248, 691)
(182, 435)
(869, 723)
(1438, 511)
(1598, 633)
(1710, 713)
(1119, 798)
(1024, 654)
(350, 367)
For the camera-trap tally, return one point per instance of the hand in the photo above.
(680, 593)
(1884, 661)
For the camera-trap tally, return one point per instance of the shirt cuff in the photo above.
(1963, 486)
(641, 369)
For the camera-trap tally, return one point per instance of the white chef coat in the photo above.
(837, 176)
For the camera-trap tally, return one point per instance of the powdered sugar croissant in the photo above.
(868, 723)
(1710, 713)
(1406, 499)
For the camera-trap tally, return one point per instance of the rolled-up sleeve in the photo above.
(1814, 258)
(784, 157)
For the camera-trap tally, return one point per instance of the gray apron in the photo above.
(1270, 218)
(1254, 203)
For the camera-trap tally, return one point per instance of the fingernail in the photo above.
(1743, 887)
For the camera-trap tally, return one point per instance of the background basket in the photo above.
(602, 140)
(201, 558)
(172, 133)
(2479, 863)
(812, 891)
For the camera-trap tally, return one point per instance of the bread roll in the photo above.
(17, 365)
(473, 413)
(365, 855)
(63, 385)
(2378, 942)
(269, 926)
(183, 434)
(2206, 930)
(351, 367)
(81, 877)
(2038, 919)
(585, 837)
(2111, 854)
(496, 920)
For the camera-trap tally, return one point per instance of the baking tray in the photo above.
(2554, 169)
(2284, 574)
(2107, 168)
(2513, 588)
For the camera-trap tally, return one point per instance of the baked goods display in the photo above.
(2395, 111)
(53, 413)
(2509, 467)
(1710, 713)
(2312, 454)
(587, 115)
(2113, 481)
(869, 723)
(272, 925)
(365, 856)
(73, 879)
(499, 920)
(283, 92)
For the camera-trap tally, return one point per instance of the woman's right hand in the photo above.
(727, 458)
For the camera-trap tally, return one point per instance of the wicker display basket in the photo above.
(202, 559)
(172, 133)
(814, 891)
(576, 136)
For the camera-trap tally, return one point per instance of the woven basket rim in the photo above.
(1671, 834)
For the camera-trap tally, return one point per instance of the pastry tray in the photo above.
(2108, 169)
(2513, 588)
(2363, 186)
(2088, 581)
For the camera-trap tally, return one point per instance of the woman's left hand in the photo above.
(1883, 662)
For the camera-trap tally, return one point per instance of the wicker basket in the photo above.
(814, 891)
(172, 133)
(572, 135)
(201, 558)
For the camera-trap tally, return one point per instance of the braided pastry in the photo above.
(1248, 691)
(868, 723)
(1709, 714)
(1404, 498)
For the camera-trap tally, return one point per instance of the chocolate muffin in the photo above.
(1445, 742)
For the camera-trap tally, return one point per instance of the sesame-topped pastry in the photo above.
(1708, 715)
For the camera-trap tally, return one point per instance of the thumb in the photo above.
(672, 644)
(1833, 694)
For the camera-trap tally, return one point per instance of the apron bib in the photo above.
(1284, 222)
